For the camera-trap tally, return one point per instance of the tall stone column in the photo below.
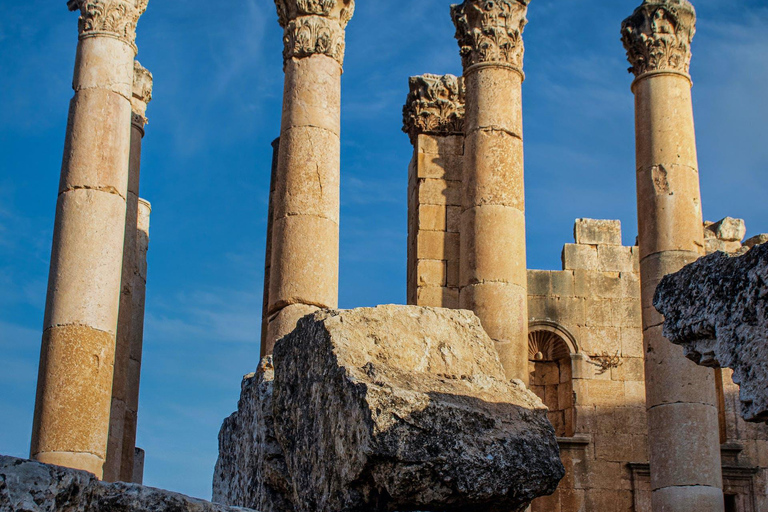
(686, 472)
(304, 273)
(142, 95)
(74, 390)
(128, 464)
(493, 276)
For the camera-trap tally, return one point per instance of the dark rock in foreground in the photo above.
(393, 408)
(717, 309)
(27, 486)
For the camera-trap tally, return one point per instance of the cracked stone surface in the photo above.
(390, 408)
(28, 486)
(717, 309)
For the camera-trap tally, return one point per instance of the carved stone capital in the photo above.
(658, 36)
(491, 31)
(435, 105)
(142, 92)
(314, 27)
(111, 18)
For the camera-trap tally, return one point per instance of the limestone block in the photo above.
(616, 258)
(34, 487)
(437, 297)
(497, 160)
(727, 229)
(632, 340)
(672, 203)
(580, 257)
(563, 284)
(312, 95)
(432, 217)
(86, 275)
(251, 469)
(407, 408)
(138, 466)
(439, 166)
(448, 145)
(699, 424)
(756, 240)
(309, 174)
(493, 239)
(437, 245)
(716, 309)
(597, 232)
(664, 138)
(442, 192)
(97, 147)
(496, 101)
(453, 219)
(452, 274)
(539, 282)
(105, 63)
(305, 265)
(431, 272)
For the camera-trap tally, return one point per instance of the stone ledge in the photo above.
(31, 487)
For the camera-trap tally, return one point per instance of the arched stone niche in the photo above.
(550, 348)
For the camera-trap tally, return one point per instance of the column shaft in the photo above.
(493, 275)
(305, 234)
(683, 428)
(141, 95)
(72, 406)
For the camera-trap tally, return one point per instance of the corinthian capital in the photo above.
(658, 36)
(142, 93)
(314, 27)
(113, 18)
(491, 31)
(435, 105)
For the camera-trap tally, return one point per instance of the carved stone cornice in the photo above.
(658, 36)
(314, 27)
(435, 106)
(491, 31)
(142, 93)
(111, 18)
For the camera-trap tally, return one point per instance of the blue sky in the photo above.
(218, 85)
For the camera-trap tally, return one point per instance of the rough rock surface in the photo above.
(717, 309)
(27, 486)
(401, 408)
(251, 468)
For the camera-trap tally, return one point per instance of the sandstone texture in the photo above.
(717, 309)
(27, 486)
(386, 409)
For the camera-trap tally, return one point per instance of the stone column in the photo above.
(142, 95)
(133, 373)
(268, 248)
(305, 237)
(686, 474)
(493, 275)
(74, 388)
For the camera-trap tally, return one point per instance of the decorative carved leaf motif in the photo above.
(490, 31)
(435, 105)
(658, 36)
(116, 17)
(312, 35)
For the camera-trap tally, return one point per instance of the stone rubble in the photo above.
(388, 408)
(717, 309)
(27, 486)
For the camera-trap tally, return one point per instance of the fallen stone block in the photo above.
(400, 408)
(717, 309)
(28, 486)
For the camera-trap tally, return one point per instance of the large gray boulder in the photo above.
(27, 486)
(717, 309)
(404, 408)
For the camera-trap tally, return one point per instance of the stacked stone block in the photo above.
(594, 302)
(433, 117)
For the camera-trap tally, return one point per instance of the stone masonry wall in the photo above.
(585, 324)
(434, 202)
